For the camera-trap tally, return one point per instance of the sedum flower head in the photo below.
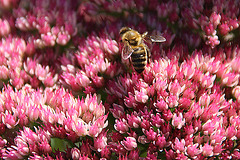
(177, 106)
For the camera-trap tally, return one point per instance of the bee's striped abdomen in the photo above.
(139, 59)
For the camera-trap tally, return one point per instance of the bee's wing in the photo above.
(127, 51)
(157, 38)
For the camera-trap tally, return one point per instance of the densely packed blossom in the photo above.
(66, 93)
(56, 113)
(178, 108)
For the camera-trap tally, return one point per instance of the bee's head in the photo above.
(131, 36)
(124, 30)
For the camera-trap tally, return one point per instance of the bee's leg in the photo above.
(130, 63)
(148, 54)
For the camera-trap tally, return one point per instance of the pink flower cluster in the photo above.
(61, 115)
(179, 110)
(66, 93)
(95, 63)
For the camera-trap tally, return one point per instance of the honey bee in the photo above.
(135, 47)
